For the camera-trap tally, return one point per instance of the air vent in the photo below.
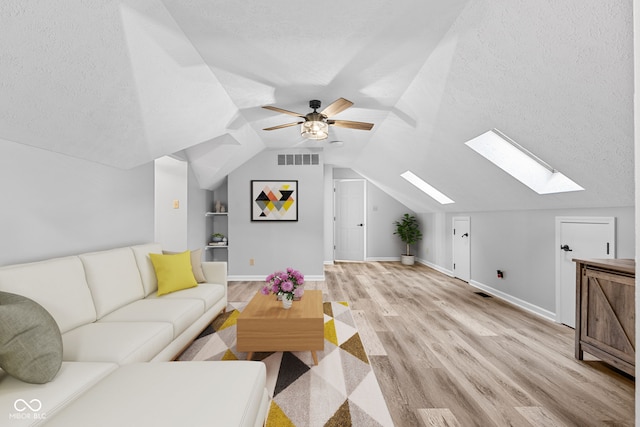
(483, 295)
(298, 159)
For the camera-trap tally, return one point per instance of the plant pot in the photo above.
(407, 259)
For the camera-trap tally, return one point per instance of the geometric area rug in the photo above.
(341, 390)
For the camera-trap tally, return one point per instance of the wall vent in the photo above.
(298, 159)
(483, 295)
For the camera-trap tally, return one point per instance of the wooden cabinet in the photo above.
(605, 311)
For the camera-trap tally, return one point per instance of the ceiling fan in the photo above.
(316, 125)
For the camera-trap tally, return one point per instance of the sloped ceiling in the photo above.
(124, 82)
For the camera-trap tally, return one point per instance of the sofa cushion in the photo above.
(181, 313)
(196, 264)
(208, 293)
(147, 273)
(30, 341)
(58, 284)
(114, 279)
(174, 272)
(118, 342)
(229, 393)
(45, 400)
(215, 272)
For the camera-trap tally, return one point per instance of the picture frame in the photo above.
(274, 200)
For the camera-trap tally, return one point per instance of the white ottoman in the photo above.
(226, 393)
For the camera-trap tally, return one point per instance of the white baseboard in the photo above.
(330, 262)
(374, 259)
(243, 278)
(260, 278)
(515, 301)
(532, 308)
(435, 267)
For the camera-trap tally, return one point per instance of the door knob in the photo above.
(465, 235)
(360, 225)
(566, 248)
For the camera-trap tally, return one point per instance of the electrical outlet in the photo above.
(251, 261)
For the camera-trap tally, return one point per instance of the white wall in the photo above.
(434, 240)
(186, 227)
(55, 205)
(171, 185)
(276, 245)
(522, 244)
(382, 212)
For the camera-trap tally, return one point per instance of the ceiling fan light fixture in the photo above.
(316, 124)
(315, 129)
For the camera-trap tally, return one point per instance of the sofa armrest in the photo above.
(215, 272)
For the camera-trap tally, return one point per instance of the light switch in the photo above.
(176, 204)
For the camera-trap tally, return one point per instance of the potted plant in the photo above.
(217, 237)
(408, 229)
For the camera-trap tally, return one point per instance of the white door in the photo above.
(349, 219)
(461, 248)
(580, 238)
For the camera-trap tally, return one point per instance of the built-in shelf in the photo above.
(219, 224)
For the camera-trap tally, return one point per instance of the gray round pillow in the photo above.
(30, 340)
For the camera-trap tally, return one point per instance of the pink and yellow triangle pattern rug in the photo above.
(341, 390)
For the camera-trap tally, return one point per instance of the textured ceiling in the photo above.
(124, 82)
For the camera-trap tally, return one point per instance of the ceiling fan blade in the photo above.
(351, 125)
(283, 126)
(280, 110)
(336, 106)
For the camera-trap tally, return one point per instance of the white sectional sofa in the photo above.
(112, 323)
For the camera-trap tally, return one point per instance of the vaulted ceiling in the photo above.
(125, 82)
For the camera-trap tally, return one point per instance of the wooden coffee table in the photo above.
(265, 326)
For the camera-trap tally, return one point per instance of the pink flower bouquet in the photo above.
(285, 284)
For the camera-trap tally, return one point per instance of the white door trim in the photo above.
(610, 220)
(364, 210)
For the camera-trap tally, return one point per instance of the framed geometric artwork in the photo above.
(274, 200)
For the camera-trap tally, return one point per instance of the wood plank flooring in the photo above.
(445, 356)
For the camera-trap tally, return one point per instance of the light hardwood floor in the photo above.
(445, 356)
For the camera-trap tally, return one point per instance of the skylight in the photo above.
(422, 185)
(521, 164)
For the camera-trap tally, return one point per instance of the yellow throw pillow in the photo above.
(174, 272)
